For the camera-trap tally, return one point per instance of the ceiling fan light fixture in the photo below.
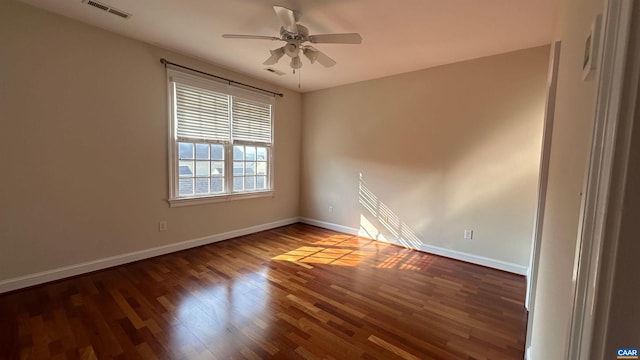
(276, 54)
(292, 49)
(296, 63)
(279, 52)
(311, 54)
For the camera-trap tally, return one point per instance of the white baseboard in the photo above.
(99, 264)
(453, 254)
(82, 268)
(527, 297)
(330, 226)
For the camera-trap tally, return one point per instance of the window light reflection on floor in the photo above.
(335, 255)
(352, 251)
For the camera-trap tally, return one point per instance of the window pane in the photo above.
(238, 153)
(217, 185)
(202, 168)
(250, 183)
(202, 151)
(261, 182)
(185, 151)
(237, 183)
(185, 187)
(250, 152)
(186, 168)
(217, 168)
(262, 153)
(202, 186)
(250, 168)
(238, 168)
(261, 168)
(217, 152)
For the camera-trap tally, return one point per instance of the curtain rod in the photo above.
(167, 62)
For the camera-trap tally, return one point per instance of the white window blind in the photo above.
(202, 114)
(221, 140)
(251, 121)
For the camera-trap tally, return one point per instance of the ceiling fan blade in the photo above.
(314, 55)
(350, 38)
(287, 18)
(249, 37)
(324, 60)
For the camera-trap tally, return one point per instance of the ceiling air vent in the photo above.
(107, 8)
(277, 72)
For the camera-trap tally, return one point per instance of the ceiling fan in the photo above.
(295, 36)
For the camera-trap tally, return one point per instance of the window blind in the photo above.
(237, 124)
(251, 121)
(202, 114)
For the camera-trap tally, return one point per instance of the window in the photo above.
(221, 141)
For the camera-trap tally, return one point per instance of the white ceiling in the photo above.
(398, 36)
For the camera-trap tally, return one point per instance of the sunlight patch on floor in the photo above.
(327, 255)
(346, 250)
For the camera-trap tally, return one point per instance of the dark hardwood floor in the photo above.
(292, 292)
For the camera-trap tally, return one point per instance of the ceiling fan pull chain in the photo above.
(298, 78)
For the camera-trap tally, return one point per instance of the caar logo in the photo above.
(627, 353)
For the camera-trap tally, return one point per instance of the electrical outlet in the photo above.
(468, 234)
(162, 225)
(330, 208)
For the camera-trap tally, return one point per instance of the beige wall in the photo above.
(571, 143)
(435, 152)
(83, 138)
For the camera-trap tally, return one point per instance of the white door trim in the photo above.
(593, 217)
(543, 177)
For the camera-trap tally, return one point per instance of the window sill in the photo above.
(178, 202)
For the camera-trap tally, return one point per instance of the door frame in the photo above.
(588, 273)
(543, 177)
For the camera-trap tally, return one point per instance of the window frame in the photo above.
(173, 164)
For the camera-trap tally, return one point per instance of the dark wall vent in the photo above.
(274, 71)
(107, 8)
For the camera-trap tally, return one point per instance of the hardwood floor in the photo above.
(292, 292)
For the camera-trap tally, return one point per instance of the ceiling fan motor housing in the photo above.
(302, 33)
